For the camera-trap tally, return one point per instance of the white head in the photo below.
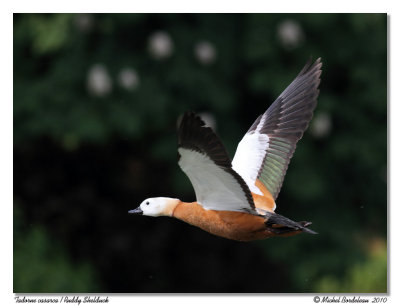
(156, 207)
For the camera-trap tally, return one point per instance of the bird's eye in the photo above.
(147, 203)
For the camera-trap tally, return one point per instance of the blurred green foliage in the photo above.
(41, 264)
(337, 177)
(369, 276)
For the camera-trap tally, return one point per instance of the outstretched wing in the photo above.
(265, 151)
(205, 161)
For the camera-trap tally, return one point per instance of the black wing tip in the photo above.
(190, 117)
(193, 134)
(312, 67)
(189, 122)
(311, 63)
(189, 114)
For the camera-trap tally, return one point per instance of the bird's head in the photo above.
(156, 207)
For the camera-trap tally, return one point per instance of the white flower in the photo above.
(98, 81)
(160, 45)
(321, 125)
(290, 34)
(205, 52)
(128, 78)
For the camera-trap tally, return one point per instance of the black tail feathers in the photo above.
(285, 225)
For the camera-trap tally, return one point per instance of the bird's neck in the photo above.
(170, 206)
(188, 212)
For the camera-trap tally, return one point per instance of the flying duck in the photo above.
(236, 199)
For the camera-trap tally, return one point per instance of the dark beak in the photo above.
(137, 211)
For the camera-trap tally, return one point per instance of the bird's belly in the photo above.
(228, 224)
(240, 226)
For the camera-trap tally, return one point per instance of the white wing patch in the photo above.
(215, 188)
(249, 157)
(260, 125)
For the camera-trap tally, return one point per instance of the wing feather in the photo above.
(205, 161)
(280, 128)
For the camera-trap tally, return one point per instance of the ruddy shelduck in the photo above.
(236, 199)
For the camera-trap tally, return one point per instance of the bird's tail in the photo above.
(282, 225)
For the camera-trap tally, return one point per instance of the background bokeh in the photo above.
(96, 102)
